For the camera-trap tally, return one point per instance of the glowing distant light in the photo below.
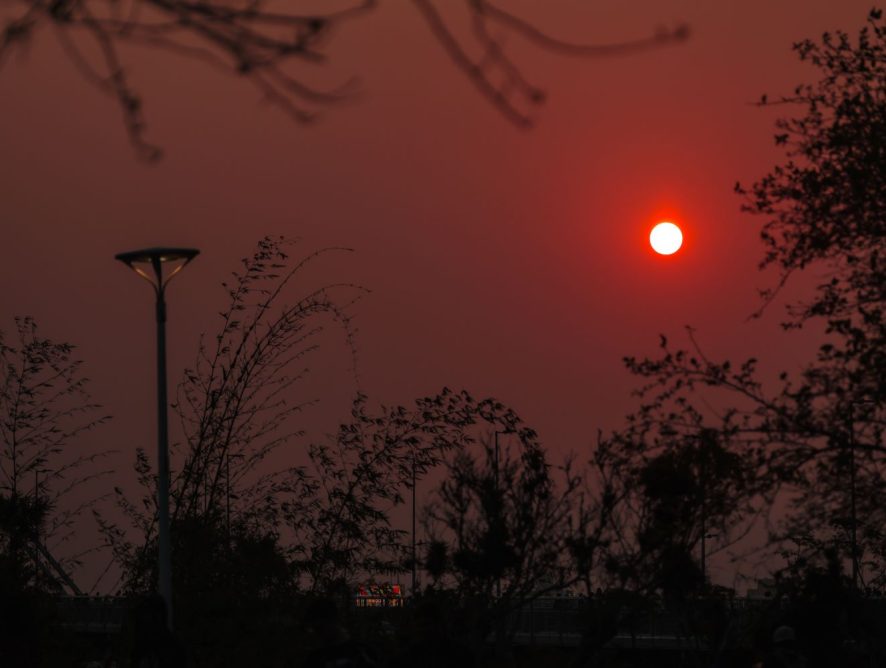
(666, 238)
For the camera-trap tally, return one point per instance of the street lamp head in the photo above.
(156, 258)
(158, 254)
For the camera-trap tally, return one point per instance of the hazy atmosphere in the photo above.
(508, 259)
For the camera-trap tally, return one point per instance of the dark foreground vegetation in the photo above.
(820, 621)
(597, 560)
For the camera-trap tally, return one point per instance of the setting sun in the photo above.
(666, 238)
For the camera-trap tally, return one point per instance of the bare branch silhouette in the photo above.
(270, 45)
(495, 73)
(45, 409)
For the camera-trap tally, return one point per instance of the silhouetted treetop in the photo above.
(819, 432)
(826, 203)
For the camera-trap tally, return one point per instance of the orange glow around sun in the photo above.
(666, 238)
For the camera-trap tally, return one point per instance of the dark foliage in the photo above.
(819, 434)
(45, 413)
(505, 532)
(339, 512)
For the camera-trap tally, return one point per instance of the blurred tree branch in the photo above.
(265, 44)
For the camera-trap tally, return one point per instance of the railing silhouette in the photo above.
(91, 614)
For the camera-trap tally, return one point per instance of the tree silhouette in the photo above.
(820, 433)
(503, 533)
(45, 411)
(685, 491)
(339, 512)
(274, 48)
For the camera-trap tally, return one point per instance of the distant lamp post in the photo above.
(495, 464)
(150, 264)
(414, 556)
(498, 432)
(707, 445)
(228, 457)
(853, 514)
(38, 520)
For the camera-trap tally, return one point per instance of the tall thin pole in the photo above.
(853, 521)
(36, 528)
(500, 507)
(705, 450)
(164, 560)
(412, 590)
(136, 260)
(704, 529)
(495, 470)
(228, 495)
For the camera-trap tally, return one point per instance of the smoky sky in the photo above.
(509, 262)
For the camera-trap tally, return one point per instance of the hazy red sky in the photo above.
(511, 263)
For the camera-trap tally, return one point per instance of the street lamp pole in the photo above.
(414, 480)
(852, 508)
(36, 528)
(704, 529)
(228, 491)
(165, 552)
(501, 509)
(228, 497)
(155, 259)
(853, 516)
(708, 441)
(495, 470)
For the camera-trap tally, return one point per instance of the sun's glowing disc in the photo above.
(666, 238)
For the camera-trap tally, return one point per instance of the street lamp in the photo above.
(149, 264)
(228, 457)
(497, 490)
(414, 565)
(38, 518)
(708, 441)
